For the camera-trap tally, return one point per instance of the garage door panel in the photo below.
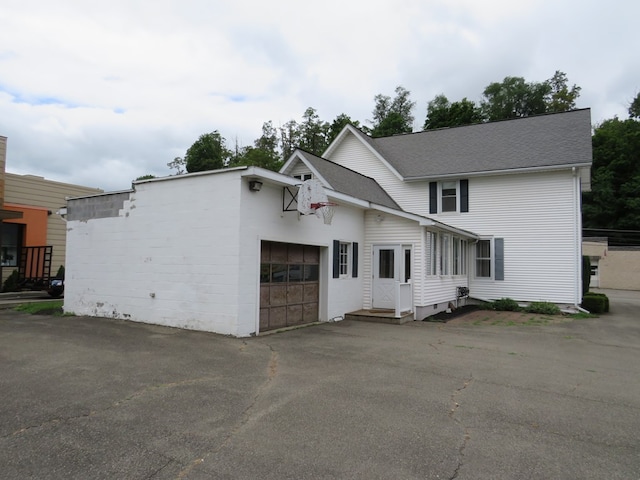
(265, 292)
(278, 295)
(311, 292)
(310, 312)
(294, 314)
(277, 317)
(295, 253)
(311, 254)
(278, 252)
(294, 294)
(264, 319)
(289, 284)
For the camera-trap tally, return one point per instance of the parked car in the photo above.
(56, 287)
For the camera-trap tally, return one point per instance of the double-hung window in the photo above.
(483, 259)
(445, 254)
(449, 196)
(345, 259)
(489, 259)
(459, 256)
(432, 253)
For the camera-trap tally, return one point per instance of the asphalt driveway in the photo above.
(86, 398)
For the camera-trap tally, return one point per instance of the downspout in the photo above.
(577, 234)
(423, 272)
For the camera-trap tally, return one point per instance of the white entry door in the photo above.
(386, 271)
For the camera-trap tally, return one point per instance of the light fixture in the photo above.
(255, 185)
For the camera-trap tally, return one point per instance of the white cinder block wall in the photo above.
(169, 257)
(185, 252)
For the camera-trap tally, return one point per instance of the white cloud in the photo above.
(99, 93)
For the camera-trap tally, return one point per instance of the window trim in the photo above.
(345, 259)
(490, 258)
(436, 197)
(303, 176)
(455, 196)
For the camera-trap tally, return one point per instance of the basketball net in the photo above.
(327, 213)
(326, 209)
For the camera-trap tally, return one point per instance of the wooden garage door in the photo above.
(289, 284)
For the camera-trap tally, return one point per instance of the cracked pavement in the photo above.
(94, 398)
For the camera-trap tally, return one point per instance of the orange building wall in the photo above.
(35, 219)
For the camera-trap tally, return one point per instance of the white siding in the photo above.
(299, 169)
(538, 217)
(351, 153)
(385, 229)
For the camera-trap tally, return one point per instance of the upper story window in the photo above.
(449, 196)
(303, 176)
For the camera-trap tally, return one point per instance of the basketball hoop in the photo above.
(312, 200)
(327, 209)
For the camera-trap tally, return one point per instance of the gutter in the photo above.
(505, 171)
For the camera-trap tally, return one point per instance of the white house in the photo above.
(420, 219)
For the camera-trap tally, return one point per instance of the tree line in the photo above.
(511, 98)
(614, 200)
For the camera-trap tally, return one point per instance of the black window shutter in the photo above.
(354, 253)
(336, 259)
(433, 197)
(498, 246)
(464, 195)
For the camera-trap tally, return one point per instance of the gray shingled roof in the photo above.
(550, 140)
(349, 182)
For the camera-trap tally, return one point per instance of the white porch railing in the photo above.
(404, 298)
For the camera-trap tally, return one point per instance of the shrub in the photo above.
(594, 303)
(605, 299)
(60, 273)
(505, 305)
(543, 308)
(12, 283)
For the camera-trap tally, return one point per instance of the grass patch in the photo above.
(581, 315)
(53, 307)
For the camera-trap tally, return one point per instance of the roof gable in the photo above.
(342, 179)
(366, 140)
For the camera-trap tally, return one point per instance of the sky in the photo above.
(98, 93)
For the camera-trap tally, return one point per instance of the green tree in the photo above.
(146, 177)
(264, 153)
(209, 152)
(561, 98)
(338, 125)
(614, 200)
(514, 98)
(313, 132)
(289, 138)
(441, 113)
(395, 116)
(634, 107)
